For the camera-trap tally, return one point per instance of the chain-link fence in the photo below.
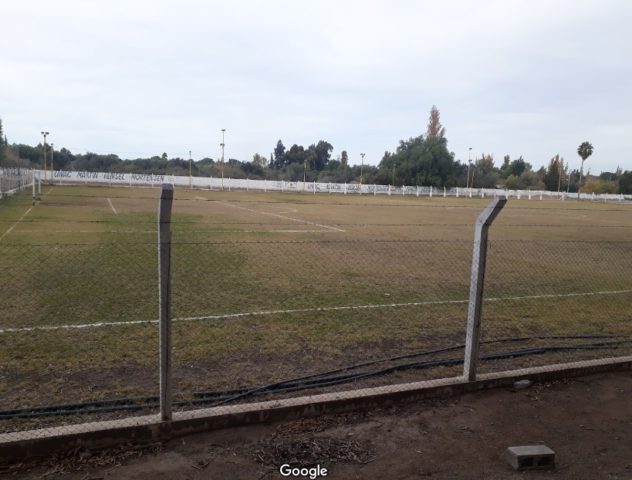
(570, 298)
(78, 336)
(262, 317)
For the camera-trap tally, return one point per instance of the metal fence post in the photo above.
(164, 297)
(477, 280)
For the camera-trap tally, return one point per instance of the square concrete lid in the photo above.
(530, 450)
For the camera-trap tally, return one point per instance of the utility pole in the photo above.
(361, 169)
(190, 179)
(223, 145)
(469, 165)
(559, 172)
(45, 134)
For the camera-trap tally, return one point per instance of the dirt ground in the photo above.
(587, 421)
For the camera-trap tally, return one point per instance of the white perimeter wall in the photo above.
(60, 177)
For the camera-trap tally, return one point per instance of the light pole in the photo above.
(223, 145)
(52, 154)
(469, 165)
(559, 173)
(45, 134)
(190, 179)
(361, 169)
(393, 174)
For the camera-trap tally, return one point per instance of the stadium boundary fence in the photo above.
(62, 177)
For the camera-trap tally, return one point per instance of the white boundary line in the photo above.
(25, 214)
(13, 226)
(112, 207)
(329, 227)
(306, 310)
(89, 231)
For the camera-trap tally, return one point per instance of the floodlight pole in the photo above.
(361, 168)
(190, 175)
(223, 145)
(52, 169)
(581, 174)
(559, 174)
(469, 165)
(477, 280)
(45, 134)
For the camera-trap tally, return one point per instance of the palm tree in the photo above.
(585, 150)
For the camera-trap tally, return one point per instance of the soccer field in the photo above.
(271, 286)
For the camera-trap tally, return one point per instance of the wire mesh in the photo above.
(571, 299)
(77, 331)
(283, 296)
(258, 313)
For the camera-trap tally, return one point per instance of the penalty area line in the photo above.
(13, 226)
(112, 207)
(259, 212)
(21, 218)
(308, 310)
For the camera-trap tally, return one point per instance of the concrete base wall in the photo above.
(18, 446)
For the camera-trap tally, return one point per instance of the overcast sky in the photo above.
(138, 78)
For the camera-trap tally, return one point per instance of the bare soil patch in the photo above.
(587, 421)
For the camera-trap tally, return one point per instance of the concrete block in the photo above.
(522, 384)
(530, 457)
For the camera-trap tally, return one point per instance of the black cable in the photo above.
(432, 352)
(344, 379)
(303, 383)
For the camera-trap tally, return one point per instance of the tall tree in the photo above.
(296, 154)
(551, 178)
(421, 161)
(584, 150)
(344, 159)
(625, 182)
(259, 160)
(323, 153)
(435, 129)
(504, 170)
(3, 142)
(485, 174)
(279, 155)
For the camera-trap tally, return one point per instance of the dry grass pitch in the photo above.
(272, 286)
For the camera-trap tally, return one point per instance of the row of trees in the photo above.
(3, 145)
(423, 160)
